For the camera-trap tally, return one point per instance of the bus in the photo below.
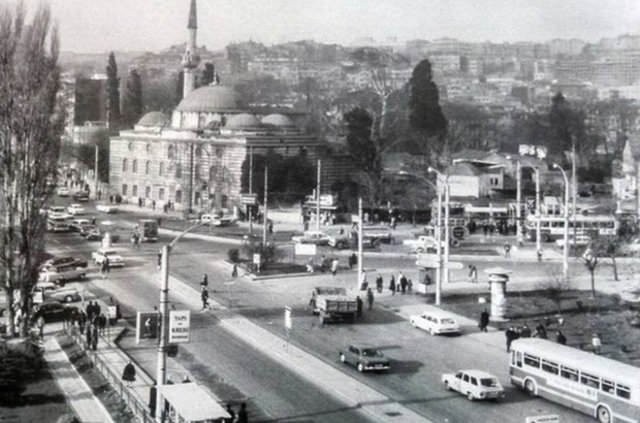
(552, 226)
(148, 230)
(601, 387)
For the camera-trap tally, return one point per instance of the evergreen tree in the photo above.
(132, 102)
(208, 74)
(113, 93)
(179, 86)
(425, 114)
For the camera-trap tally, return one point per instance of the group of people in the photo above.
(97, 324)
(403, 284)
(513, 333)
(240, 417)
(360, 304)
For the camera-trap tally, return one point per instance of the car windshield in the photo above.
(371, 352)
(448, 321)
(110, 253)
(489, 382)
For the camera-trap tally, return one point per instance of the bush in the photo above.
(19, 365)
(234, 255)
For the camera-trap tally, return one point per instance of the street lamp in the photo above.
(518, 200)
(161, 374)
(565, 249)
(443, 181)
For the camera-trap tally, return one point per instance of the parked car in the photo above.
(63, 192)
(49, 290)
(52, 310)
(115, 260)
(106, 208)
(61, 274)
(435, 322)
(339, 241)
(75, 209)
(475, 384)
(364, 357)
(58, 224)
(77, 225)
(312, 237)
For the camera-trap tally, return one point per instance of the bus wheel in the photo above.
(603, 414)
(530, 387)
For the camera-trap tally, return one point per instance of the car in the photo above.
(52, 310)
(77, 225)
(49, 290)
(312, 237)
(106, 208)
(63, 192)
(92, 233)
(65, 261)
(475, 384)
(435, 322)
(115, 260)
(580, 241)
(81, 196)
(58, 224)
(372, 234)
(61, 274)
(75, 209)
(57, 212)
(217, 220)
(364, 357)
(339, 241)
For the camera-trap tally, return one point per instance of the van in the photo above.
(436, 322)
(58, 224)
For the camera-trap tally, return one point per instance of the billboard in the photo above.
(179, 326)
(147, 325)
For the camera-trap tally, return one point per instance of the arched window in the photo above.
(161, 169)
(147, 167)
(171, 152)
(124, 165)
(134, 166)
(178, 170)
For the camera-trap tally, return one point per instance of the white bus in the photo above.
(603, 388)
(552, 227)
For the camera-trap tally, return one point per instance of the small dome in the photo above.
(243, 120)
(154, 119)
(212, 98)
(276, 119)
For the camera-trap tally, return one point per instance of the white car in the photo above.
(580, 241)
(312, 237)
(75, 209)
(115, 260)
(58, 212)
(214, 220)
(106, 208)
(474, 384)
(49, 290)
(61, 274)
(63, 192)
(435, 322)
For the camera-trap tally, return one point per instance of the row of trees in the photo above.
(31, 124)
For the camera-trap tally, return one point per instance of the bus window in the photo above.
(569, 373)
(623, 391)
(532, 361)
(550, 367)
(545, 224)
(590, 380)
(607, 386)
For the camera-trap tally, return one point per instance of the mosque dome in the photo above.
(242, 120)
(212, 98)
(154, 119)
(276, 119)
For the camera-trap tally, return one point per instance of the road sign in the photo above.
(147, 325)
(179, 325)
(287, 318)
(458, 232)
(551, 418)
(248, 199)
(256, 259)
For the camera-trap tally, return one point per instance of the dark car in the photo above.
(65, 261)
(364, 357)
(52, 311)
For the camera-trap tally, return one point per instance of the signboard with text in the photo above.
(179, 326)
(147, 325)
(305, 249)
(288, 324)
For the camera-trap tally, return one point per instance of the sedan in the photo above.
(77, 225)
(364, 358)
(580, 241)
(106, 208)
(66, 294)
(58, 212)
(65, 261)
(63, 192)
(474, 384)
(75, 209)
(52, 310)
(435, 322)
(312, 237)
(115, 260)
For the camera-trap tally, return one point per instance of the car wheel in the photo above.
(360, 367)
(603, 415)
(343, 359)
(546, 238)
(446, 385)
(419, 250)
(470, 396)
(68, 299)
(530, 387)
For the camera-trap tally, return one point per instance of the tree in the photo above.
(590, 258)
(31, 123)
(113, 93)
(132, 105)
(85, 153)
(208, 74)
(179, 87)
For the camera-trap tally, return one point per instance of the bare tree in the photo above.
(554, 287)
(30, 129)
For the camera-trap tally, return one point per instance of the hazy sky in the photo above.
(103, 25)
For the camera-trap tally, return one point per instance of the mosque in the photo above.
(194, 159)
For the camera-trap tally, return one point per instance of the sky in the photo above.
(97, 26)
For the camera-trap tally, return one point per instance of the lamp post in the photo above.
(519, 202)
(565, 249)
(359, 244)
(318, 195)
(161, 373)
(444, 183)
(95, 174)
(538, 215)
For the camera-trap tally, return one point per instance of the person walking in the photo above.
(353, 260)
(334, 266)
(234, 271)
(129, 374)
(40, 325)
(204, 296)
(370, 298)
(94, 337)
(232, 414)
(392, 285)
(473, 273)
(363, 280)
(358, 306)
(484, 320)
(102, 323)
(596, 343)
(510, 334)
(205, 281)
(88, 335)
(104, 269)
(507, 250)
(403, 282)
(242, 414)
(379, 283)
(560, 338)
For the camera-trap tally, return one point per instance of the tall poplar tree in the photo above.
(31, 123)
(113, 93)
(132, 105)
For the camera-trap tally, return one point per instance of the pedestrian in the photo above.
(205, 281)
(370, 298)
(153, 392)
(105, 267)
(525, 331)
(153, 204)
(473, 273)
(539, 253)
(353, 260)
(234, 271)
(510, 334)
(392, 285)
(507, 250)
(129, 374)
(596, 343)
(40, 325)
(88, 335)
(560, 338)
(204, 296)
(379, 283)
(270, 227)
(242, 414)
(93, 220)
(102, 323)
(403, 282)
(484, 320)
(358, 306)
(94, 337)
(541, 331)
(82, 321)
(334, 266)
(364, 284)
(232, 414)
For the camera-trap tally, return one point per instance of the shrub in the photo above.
(234, 255)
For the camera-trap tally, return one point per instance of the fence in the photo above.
(139, 408)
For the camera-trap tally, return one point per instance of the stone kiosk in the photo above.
(498, 278)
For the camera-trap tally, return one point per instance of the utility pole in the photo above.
(95, 174)
(518, 203)
(574, 194)
(439, 245)
(538, 208)
(251, 189)
(265, 214)
(359, 243)
(446, 229)
(161, 373)
(318, 195)
(565, 250)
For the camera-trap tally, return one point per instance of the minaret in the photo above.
(190, 59)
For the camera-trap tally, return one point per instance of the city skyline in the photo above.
(96, 26)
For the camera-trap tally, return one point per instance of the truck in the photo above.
(333, 303)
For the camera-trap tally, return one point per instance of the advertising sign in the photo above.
(179, 325)
(458, 232)
(147, 325)
(305, 249)
(112, 312)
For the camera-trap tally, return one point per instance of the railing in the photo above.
(137, 406)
